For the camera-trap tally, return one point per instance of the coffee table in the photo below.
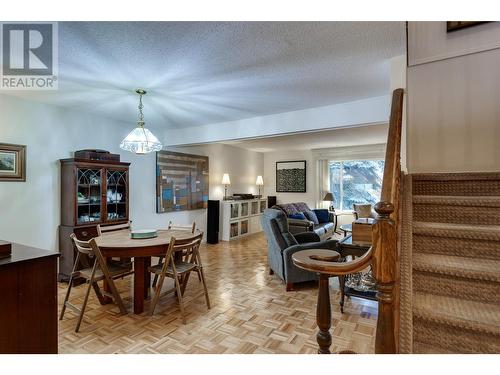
(346, 228)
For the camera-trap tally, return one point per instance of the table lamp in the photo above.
(329, 198)
(259, 182)
(225, 181)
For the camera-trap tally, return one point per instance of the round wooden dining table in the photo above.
(119, 244)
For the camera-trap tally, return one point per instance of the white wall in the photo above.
(270, 159)
(30, 211)
(453, 98)
(243, 167)
(365, 111)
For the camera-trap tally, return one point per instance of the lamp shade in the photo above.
(225, 179)
(141, 141)
(328, 197)
(259, 181)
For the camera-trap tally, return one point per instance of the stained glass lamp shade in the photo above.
(141, 140)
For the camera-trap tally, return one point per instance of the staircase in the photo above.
(452, 250)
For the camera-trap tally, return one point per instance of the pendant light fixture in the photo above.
(141, 140)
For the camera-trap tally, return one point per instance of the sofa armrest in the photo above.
(300, 223)
(306, 237)
(329, 245)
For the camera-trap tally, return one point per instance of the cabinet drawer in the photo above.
(86, 233)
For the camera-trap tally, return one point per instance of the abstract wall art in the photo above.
(181, 181)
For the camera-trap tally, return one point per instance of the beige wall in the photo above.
(453, 98)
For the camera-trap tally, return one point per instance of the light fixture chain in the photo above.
(141, 106)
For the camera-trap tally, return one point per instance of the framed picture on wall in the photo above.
(291, 176)
(459, 25)
(181, 181)
(12, 162)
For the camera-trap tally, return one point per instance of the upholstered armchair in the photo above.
(364, 211)
(282, 244)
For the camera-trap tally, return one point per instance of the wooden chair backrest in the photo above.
(187, 245)
(112, 228)
(83, 247)
(191, 227)
(89, 248)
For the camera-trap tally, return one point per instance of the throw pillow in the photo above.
(312, 216)
(322, 215)
(301, 206)
(299, 216)
(289, 208)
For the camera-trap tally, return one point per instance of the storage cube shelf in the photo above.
(241, 217)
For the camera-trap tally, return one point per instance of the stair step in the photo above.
(459, 313)
(451, 339)
(482, 210)
(472, 268)
(455, 325)
(423, 348)
(463, 184)
(463, 201)
(463, 231)
(456, 246)
(473, 279)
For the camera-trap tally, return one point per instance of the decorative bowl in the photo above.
(143, 233)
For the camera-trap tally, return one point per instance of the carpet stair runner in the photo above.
(456, 263)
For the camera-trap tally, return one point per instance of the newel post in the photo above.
(384, 270)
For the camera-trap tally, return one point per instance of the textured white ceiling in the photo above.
(199, 73)
(353, 136)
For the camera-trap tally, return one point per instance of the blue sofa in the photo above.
(323, 225)
(282, 245)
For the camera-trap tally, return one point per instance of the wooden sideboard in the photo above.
(28, 301)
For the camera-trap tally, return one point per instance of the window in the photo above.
(355, 181)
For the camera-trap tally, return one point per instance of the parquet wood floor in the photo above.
(251, 313)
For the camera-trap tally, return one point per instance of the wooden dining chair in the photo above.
(191, 227)
(99, 270)
(172, 226)
(114, 228)
(179, 269)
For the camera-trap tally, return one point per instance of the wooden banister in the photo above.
(385, 235)
(382, 254)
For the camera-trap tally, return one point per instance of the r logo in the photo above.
(27, 49)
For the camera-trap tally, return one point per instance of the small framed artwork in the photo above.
(291, 176)
(12, 162)
(459, 25)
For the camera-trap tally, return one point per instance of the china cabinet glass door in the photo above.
(88, 195)
(116, 195)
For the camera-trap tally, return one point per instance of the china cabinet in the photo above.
(92, 192)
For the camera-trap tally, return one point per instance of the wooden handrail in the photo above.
(385, 234)
(334, 268)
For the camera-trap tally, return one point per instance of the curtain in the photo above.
(323, 185)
